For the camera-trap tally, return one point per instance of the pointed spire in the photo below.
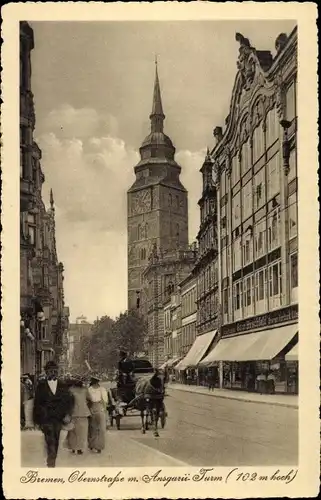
(157, 116)
(52, 203)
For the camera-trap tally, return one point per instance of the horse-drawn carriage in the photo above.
(141, 394)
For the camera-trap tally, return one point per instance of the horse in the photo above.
(150, 400)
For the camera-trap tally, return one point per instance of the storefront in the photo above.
(247, 358)
(188, 366)
(292, 362)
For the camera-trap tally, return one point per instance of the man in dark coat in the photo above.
(52, 408)
(125, 368)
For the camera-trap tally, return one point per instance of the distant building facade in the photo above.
(161, 279)
(43, 317)
(77, 332)
(255, 172)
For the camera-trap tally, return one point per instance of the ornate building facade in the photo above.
(206, 268)
(256, 180)
(43, 317)
(157, 202)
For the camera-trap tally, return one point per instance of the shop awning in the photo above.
(254, 346)
(170, 362)
(293, 355)
(197, 351)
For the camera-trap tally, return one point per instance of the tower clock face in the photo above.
(141, 202)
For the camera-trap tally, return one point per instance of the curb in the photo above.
(273, 403)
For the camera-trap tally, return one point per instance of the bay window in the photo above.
(237, 300)
(292, 216)
(294, 277)
(235, 177)
(237, 255)
(246, 161)
(260, 238)
(259, 190)
(275, 285)
(272, 127)
(258, 142)
(290, 102)
(273, 177)
(247, 200)
(236, 210)
(274, 222)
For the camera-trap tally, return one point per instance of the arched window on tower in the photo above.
(146, 230)
(177, 231)
(138, 231)
(143, 254)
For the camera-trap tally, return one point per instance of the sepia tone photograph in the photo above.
(159, 243)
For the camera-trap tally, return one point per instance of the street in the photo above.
(200, 430)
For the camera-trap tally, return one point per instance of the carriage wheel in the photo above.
(117, 422)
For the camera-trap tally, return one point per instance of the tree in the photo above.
(96, 347)
(108, 337)
(128, 333)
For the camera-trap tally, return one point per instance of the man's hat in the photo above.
(51, 365)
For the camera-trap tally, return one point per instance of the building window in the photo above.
(247, 201)
(258, 142)
(31, 221)
(237, 255)
(292, 214)
(275, 285)
(290, 102)
(237, 296)
(177, 230)
(223, 184)
(236, 210)
(260, 238)
(294, 277)
(247, 249)
(138, 231)
(248, 294)
(246, 157)
(146, 230)
(259, 189)
(235, 170)
(292, 164)
(274, 229)
(260, 291)
(224, 263)
(170, 199)
(143, 254)
(272, 127)
(225, 301)
(273, 177)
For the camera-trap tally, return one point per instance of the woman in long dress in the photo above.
(97, 399)
(77, 437)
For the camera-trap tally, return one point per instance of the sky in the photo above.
(93, 86)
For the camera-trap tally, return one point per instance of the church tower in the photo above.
(157, 211)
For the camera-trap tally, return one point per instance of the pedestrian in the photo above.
(23, 392)
(271, 383)
(261, 383)
(97, 401)
(53, 405)
(77, 436)
(28, 401)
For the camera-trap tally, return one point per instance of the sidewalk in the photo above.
(290, 401)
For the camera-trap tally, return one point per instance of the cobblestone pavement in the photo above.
(200, 430)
